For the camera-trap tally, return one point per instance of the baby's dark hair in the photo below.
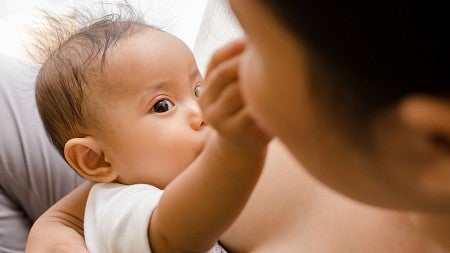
(366, 56)
(73, 51)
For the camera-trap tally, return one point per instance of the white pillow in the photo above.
(218, 27)
(179, 17)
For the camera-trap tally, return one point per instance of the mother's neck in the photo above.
(435, 227)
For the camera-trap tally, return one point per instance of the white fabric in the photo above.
(117, 218)
(33, 175)
(19, 18)
(218, 27)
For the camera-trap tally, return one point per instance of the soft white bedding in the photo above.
(218, 27)
(179, 17)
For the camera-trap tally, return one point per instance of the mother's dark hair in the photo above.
(366, 55)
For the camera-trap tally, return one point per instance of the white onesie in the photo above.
(117, 217)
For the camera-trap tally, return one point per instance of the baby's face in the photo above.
(153, 127)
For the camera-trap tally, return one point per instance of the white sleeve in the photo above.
(117, 217)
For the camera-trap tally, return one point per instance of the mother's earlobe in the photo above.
(431, 116)
(86, 157)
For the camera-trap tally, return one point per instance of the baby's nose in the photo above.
(196, 118)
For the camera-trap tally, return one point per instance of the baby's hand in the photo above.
(222, 103)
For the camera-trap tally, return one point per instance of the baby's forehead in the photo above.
(152, 40)
(147, 57)
(150, 53)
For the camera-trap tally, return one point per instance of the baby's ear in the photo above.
(86, 157)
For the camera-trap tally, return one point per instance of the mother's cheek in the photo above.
(255, 87)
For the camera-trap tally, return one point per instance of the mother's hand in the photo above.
(60, 228)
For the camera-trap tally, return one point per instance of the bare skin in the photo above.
(289, 211)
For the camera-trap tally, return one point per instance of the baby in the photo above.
(120, 101)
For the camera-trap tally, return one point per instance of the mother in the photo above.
(359, 95)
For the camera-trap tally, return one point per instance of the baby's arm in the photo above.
(200, 204)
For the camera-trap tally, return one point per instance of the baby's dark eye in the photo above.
(197, 90)
(162, 106)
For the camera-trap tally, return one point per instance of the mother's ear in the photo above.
(429, 117)
(86, 157)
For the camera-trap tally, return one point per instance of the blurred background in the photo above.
(17, 17)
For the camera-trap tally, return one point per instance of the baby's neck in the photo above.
(435, 227)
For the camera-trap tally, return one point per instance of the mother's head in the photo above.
(358, 91)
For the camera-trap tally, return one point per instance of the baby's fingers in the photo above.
(224, 107)
(242, 130)
(232, 49)
(218, 79)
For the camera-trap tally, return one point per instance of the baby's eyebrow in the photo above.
(159, 86)
(152, 89)
(165, 84)
(194, 74)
